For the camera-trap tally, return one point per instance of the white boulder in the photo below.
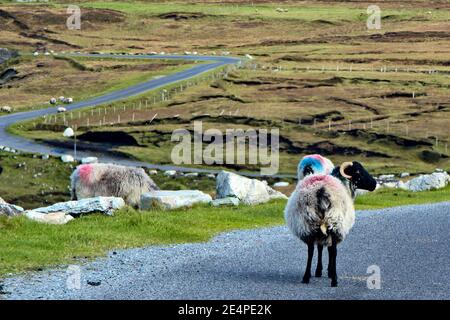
(9, 210)
(249, 191)
(168, 200)
(105, 205)
(67, 158)
(170, 173)
(390, 184)
(404, 174)
(88, 160)
(386, 177)
(49, 218)
(191, 174)
(436, 180)
(281, 184)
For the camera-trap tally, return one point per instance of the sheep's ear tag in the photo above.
(323, 228)
(344, 166)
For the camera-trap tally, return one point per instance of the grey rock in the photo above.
(281, 184)
(67, 158)
(88, 160)
(168, 200)
(386, 177)
(249, 191)
(191, 174)
(436, 180)
(105, 205)
(228, 201)
(404, 175)
(9, 210)
(49, 218)
(170, 173)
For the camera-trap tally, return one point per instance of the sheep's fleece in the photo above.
(108, 180)
(320, 204)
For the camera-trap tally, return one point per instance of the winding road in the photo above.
(27, 145)
(409, 246)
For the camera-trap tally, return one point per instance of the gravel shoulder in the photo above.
(409, 244)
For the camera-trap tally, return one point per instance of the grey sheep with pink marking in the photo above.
(109, 180)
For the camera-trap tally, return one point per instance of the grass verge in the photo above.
(29, 246)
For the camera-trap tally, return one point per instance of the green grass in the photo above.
(395, 197)
(26, 245)
(304, 13)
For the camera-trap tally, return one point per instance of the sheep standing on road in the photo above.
(314, 164)
(321, 211)
(108, 180)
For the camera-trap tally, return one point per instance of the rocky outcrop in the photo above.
(105, 205)
(249, 191)
(9, 210)
(169, 200)
(436, 180)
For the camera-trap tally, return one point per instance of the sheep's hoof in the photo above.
(318, 273)
(334, 283)
(305, 280)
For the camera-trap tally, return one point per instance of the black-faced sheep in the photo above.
(321, 211)
(108, 180)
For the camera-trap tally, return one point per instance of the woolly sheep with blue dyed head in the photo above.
(321, 212)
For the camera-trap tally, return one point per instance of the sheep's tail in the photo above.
(323, 205)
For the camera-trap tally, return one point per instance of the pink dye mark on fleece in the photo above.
(320, 179)
(85, 173)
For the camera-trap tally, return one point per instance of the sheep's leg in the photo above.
(330, 262)
(319, 261)
(307, 274)
(333, 264)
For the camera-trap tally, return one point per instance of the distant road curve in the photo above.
(27, 145)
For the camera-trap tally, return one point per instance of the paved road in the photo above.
(27, 145)
(411, 245)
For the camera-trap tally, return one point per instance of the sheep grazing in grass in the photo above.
(321, 212)
(6, 109)
(314, 164)
(108, 180)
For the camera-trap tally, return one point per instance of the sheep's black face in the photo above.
(360, 177)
